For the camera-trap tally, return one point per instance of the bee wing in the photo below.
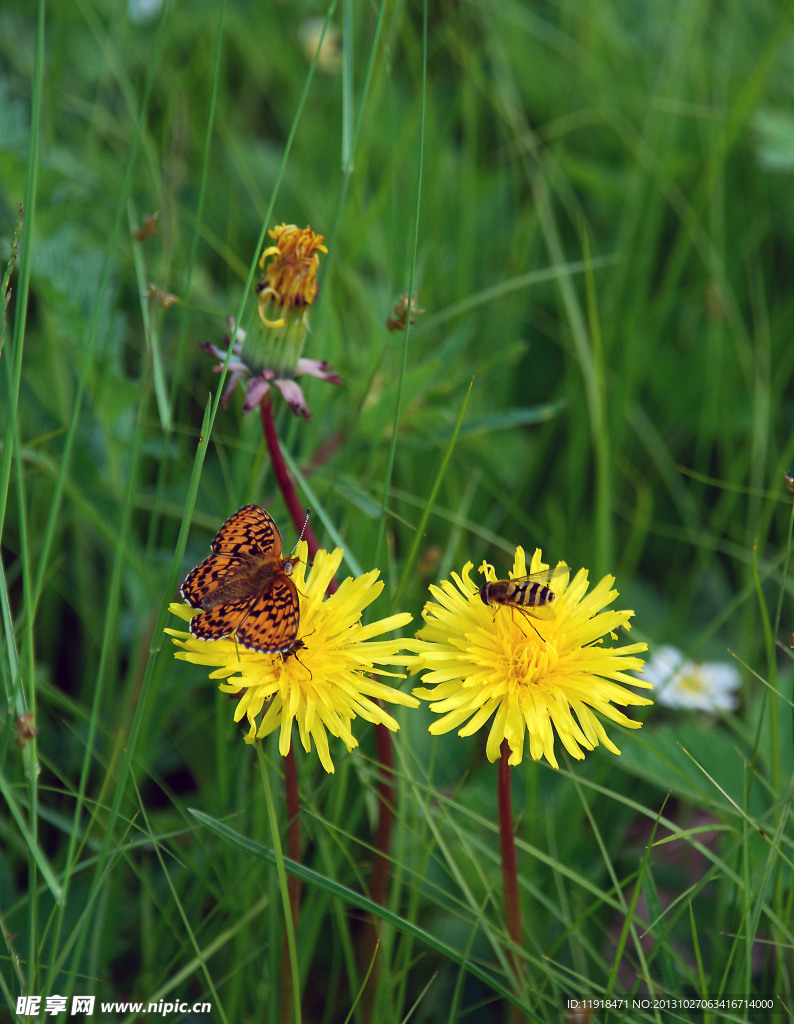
(544, 576)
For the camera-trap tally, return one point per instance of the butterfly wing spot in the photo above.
(218, 622)
(208, 577)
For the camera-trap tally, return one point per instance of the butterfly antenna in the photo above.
(303, 529)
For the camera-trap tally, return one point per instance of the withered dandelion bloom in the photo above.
(290, 273)
(403, 312)
(270, 354)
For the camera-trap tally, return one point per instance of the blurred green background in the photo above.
(594, 205)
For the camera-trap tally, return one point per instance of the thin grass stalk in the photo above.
(209, 138)
(392, 453)
(507, 842)
(379, 880)
(293, 831)
(289, 1004)
(351, 898)
(8, 456)
(289, 984)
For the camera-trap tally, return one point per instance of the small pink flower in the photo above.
(271, 353)
(259, 385)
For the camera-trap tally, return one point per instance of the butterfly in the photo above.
(244, 587)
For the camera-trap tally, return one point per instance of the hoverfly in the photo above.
(524, 592)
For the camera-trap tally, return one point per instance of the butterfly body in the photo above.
(246, 577)
(244, 587)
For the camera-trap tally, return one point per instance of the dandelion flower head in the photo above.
(536, 676)
(324, 681)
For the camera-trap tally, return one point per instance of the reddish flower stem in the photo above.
(284, 480)
(509, 860)
(297, 514)
(380, 866)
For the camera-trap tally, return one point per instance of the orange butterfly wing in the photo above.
(219, 622)
(210, 574)
(250, 532)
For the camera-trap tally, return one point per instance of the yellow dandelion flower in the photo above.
(534, 674)
(324, 681)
